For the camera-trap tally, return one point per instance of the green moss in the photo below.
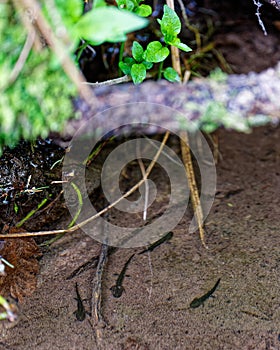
(39, 100)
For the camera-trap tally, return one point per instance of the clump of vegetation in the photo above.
(135, 6)
(155, 52)
(37, 97)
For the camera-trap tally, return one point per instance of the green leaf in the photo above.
(108, 24)
(126, 65)
(138, 73)
(143, 10)
(15, 207)
(130, 5)
(70, 10)
(121, 3)
(170, 24)
(155, 52)
(125, 68)
(174, 41)
(98, 3)
(129, 60)
(171, 40)
(183, 47)
(148, 65)
(170, 74)
(137, 51)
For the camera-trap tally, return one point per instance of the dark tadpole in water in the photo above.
(163, 239)
(118, 288)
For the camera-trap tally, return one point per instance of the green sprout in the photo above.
(134, 6)
(156, 52)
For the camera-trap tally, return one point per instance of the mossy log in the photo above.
(232, 101)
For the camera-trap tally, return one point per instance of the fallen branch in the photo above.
(242, 101)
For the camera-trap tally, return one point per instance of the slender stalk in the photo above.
(121, 56)
(160, 70)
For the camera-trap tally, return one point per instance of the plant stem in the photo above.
(121, 56)
(81, 49)
(160, 70)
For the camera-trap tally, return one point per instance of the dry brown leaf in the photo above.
(20, 281)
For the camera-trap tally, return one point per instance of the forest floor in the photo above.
(242, 235)
(153, 312)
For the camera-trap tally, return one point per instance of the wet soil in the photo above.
(154, 312)
(240, 37)
(242, 236)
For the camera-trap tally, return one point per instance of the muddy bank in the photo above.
(153, 312)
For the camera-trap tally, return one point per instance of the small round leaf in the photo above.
(138, 73)
(125, 68)
(137, 51)
(148, 65)
(183, 47)
(155, 52)
(144, 11)
(170, 74)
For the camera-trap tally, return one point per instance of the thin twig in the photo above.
(174, 50)
(103, 211)
(186, 155)
(163, 152)
(120, 80)
(189, 26)
(142, 168)
(60, 50)
(48, 207)
(22, 57)
(96, 293)
(96, 298)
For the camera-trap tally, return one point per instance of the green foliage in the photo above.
(212, 116)
(137, 66)
(39, 100)
(138, 72)
(170, 24)
(155, 52)
(70, 11)
(170, 27)
(64, 14)
(137, 51)
(98, 3)
(102, 23)
(134, 6)
(170, 74)
(218, 75)
(210, 122)
(107, 24)
(143, 10)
